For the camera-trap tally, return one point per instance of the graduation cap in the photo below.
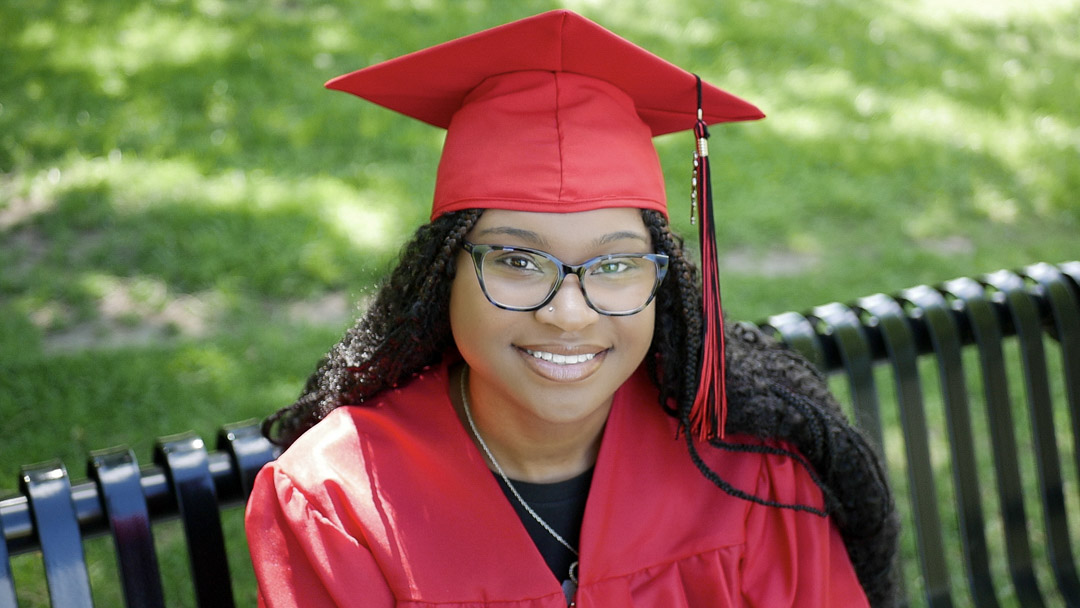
(554, 113)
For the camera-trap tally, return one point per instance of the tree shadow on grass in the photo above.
(93, 252)
(238, 85)
(218, 84)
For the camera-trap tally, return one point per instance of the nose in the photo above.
(568, 310)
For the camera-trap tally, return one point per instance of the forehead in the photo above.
(623, 225)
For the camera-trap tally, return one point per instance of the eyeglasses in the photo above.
(523, 279)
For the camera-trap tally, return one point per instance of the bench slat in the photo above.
(7, 582)
(1072, 270)
(798, 332)
(119, 481)
(49, 492)
(249, 451)
(187, 466)
(845, 328)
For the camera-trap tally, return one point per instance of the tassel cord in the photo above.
(709, 412)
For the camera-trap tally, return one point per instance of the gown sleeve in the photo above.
(294, 548)
(795, 558)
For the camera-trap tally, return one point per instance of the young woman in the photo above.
(538, 409)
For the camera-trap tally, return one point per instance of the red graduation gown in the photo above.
(391, 504)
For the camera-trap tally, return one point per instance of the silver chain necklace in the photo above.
(498, 469)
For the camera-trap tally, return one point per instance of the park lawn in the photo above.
(188, 220)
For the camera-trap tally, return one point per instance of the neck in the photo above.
(529, 449)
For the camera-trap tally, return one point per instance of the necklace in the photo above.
(569, 587)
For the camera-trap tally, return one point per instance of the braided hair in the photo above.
(773, 393)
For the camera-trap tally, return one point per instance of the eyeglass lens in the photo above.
(519, 278)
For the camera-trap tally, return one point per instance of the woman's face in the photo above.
(511, 372)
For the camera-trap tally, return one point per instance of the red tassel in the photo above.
(708, 415)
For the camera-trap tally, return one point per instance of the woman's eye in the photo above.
(612, 267)
(520, 262)
(517, 261)
(618, 266)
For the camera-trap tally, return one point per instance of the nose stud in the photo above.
(551, 309)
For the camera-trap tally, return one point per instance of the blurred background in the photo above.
(188, 220)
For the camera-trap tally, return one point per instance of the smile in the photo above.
(560, 359)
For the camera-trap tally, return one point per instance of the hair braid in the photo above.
(714, 477)
(676, 348)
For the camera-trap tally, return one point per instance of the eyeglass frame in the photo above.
(478, 251)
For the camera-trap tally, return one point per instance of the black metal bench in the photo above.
(986, 341)
(53, 516)
(1038, 309)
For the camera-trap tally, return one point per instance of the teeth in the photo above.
(561, 359)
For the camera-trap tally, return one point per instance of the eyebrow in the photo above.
(620, 235)
(540, 241)
(526, 235)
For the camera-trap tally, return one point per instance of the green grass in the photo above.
(187, 218)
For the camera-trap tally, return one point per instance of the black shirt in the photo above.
(562, 506)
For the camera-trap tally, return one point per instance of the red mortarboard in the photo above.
(556, 114)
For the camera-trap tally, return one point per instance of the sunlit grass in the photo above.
(1000, 12)
(188, 219)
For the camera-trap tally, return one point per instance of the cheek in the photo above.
(635, 334)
